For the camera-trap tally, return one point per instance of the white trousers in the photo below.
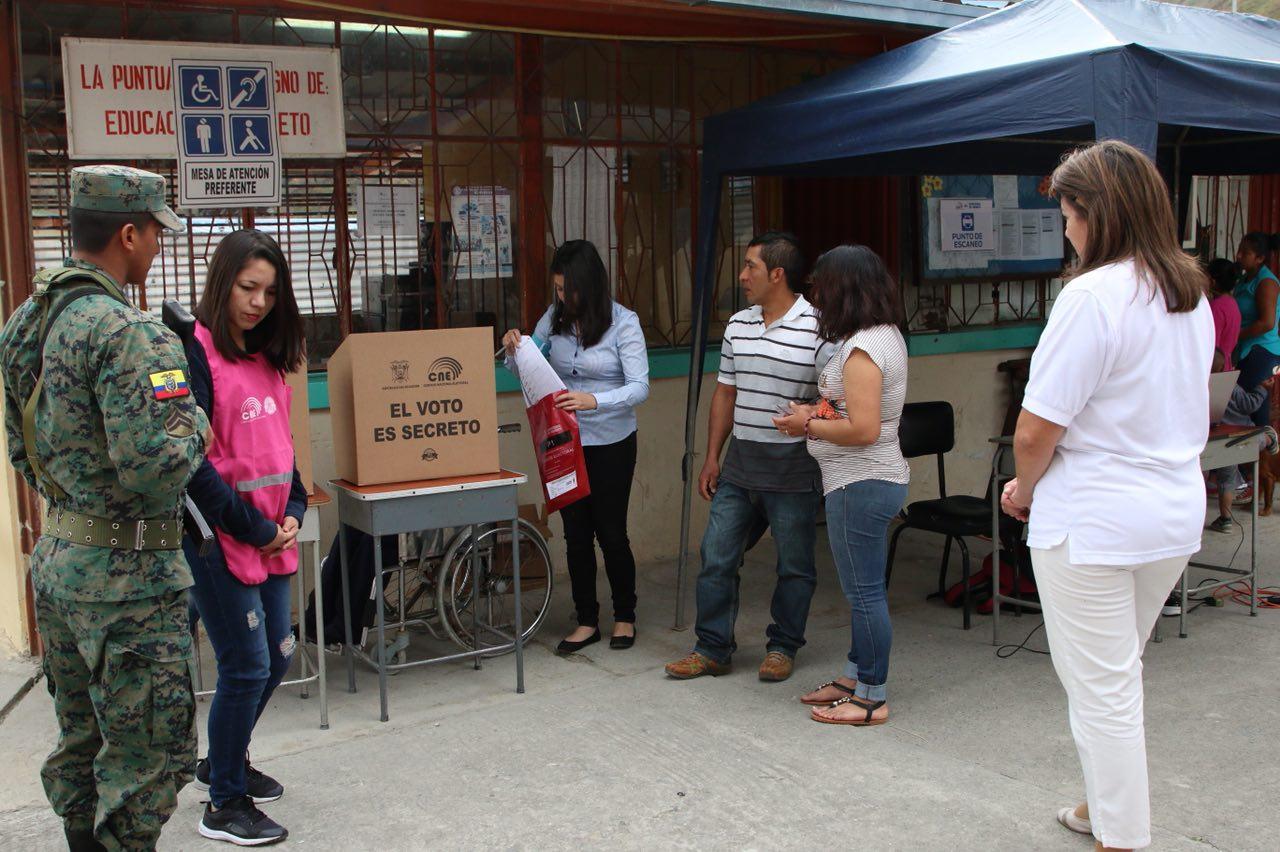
(1097, 619)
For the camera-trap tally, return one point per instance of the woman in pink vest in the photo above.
(248, 335)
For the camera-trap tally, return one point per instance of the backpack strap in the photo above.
(63, 287)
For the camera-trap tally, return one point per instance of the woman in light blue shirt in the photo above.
(597, 348)
(1258, 353)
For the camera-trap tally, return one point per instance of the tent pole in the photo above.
(686, 507)
(703, 288)
(1177, 179)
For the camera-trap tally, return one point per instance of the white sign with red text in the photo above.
(120, 101)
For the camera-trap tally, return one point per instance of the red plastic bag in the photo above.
(561, 461)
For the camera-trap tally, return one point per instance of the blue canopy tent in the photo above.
(1006, 93)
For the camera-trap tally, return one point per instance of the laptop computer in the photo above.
(1220, 385)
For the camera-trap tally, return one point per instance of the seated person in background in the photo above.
(1223, 275)
(1240, 413)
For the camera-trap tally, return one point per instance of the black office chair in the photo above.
(929, 428)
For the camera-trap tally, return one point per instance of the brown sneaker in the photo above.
(696, 665)
(776, 666)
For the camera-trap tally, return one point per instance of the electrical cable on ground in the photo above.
(1004, 652)
(1237, 592)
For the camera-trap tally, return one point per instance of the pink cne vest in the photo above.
(252, 451)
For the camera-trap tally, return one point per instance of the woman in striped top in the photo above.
(853, 434)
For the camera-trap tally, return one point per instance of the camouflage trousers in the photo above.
(120, 676)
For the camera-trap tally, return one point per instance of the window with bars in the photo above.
(1217, 215)
(593, 139)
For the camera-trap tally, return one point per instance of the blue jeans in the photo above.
(734, 511)
(1255, 368)
(249, 628)
(858, 517)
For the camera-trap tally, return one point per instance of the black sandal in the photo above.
(870, 707)
(839, 686)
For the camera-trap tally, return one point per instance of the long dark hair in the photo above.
(1223, 275)
(852, 290)
(279, 336)
(1126, 205)
(1261, 243)
(586, 303)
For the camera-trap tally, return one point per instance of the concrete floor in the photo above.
(605, 752)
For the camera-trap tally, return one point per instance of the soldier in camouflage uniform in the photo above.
(110, 437)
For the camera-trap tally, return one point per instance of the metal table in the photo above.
(463, 501)
(1227, 446)
(309, 532)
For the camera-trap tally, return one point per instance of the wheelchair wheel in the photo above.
(418, 572)
(455, 589)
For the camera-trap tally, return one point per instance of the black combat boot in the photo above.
(82, 840)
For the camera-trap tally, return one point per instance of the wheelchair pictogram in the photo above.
(201, 87)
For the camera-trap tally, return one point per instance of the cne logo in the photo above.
(429, 454)
(444, 369)
(250, 409)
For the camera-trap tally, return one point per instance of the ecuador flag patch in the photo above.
(169, 384)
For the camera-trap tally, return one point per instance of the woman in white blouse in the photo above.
(853, 436)
(1115, 416)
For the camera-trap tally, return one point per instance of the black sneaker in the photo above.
(1222, 525)
(239, 822)
(261, 787)
(1172, 604)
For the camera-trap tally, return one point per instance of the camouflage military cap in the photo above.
(120, 189)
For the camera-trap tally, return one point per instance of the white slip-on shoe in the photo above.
(1068, 818)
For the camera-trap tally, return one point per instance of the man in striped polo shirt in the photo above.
(771, 355)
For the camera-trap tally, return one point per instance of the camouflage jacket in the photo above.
(120, 447)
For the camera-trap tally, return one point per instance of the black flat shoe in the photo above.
(621, 643)
(567, 647)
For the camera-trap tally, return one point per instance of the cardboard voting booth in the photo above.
(300, 426)
(410, 405)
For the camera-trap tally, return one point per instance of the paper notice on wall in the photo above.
(950, 260)
(1009, 229)
(387, 211)
(1029, 234)
(482, 231)
(1050, 235)
(1005, 190)
(966, 224)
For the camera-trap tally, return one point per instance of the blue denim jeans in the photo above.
(250, 630)
(734, 511)
(858, 517)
